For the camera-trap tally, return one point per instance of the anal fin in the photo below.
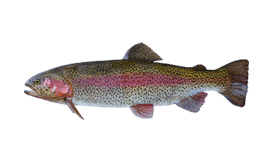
(193, 103)
(143, 110)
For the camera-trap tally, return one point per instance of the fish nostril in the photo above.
(27, 83)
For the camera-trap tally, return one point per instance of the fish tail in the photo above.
(238, 72)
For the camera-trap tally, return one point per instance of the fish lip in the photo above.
(32, 92)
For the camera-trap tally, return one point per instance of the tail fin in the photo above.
(238, 70)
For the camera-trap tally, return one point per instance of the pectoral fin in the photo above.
(70, 104)
(143, 110)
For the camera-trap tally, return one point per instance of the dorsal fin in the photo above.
(199, 67)
(141, 52)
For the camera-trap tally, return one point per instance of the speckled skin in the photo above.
(121, 83)
(139, 83)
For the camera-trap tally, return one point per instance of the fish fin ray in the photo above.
(143, 110)
(73, 108)
(141, 52)
(236, 93)
(193, 103)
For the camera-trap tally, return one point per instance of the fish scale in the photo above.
(145, 80)
(139, 82)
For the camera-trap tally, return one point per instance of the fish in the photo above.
(138, 82)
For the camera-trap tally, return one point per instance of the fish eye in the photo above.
(36, 82)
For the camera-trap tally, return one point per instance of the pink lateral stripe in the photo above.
(132, 80)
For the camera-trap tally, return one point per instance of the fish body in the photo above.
(139, 83)
(122, 83)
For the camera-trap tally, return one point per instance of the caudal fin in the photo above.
(238, 70)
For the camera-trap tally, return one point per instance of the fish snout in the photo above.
(33, 91)
(26, 83)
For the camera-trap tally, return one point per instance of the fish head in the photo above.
(49, 86)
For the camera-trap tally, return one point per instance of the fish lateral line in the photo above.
(139, 82)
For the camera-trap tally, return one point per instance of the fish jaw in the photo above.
(33, 92)
(36, 93)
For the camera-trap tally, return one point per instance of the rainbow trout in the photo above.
(138, 82)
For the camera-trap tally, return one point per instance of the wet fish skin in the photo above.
(126, 82)
(139, 82)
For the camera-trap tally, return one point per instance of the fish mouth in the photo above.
(33, 92)
(36, 93)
